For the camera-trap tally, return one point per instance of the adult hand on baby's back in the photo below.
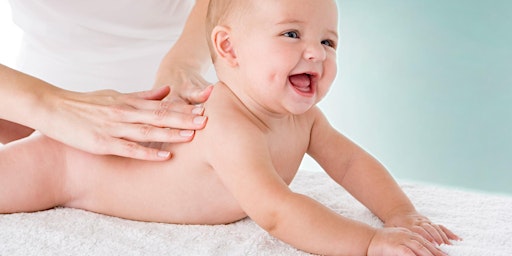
(109, 122)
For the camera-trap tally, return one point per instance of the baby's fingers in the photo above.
(401, 241)
(423, 233)
(431, 232)
(449, 233)
(436, 233)
(422, 247)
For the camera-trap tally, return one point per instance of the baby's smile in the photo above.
(303, 83)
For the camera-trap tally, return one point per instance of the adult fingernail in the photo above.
(164, 154)
(186, 133)
(199, 119)
(198, 111)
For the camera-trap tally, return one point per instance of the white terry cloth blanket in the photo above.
(484, 221)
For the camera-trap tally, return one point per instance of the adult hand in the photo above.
(109, 122)
(182, 66)
(188, 85)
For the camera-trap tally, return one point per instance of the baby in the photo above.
(275, 60)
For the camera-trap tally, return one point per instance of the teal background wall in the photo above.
(426, 87)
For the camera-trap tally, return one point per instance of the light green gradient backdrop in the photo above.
(426, 87)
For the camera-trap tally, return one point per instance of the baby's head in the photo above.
(223, 12)
(273, 46)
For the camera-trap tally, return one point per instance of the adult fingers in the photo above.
(148, 133)
(141, 103)
(155, 113)
(155, 94)
(124, 148)
(200, 96)
(167, 118)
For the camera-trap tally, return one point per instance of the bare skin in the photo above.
(172, 192)
(189, 189)
(101, 122)
(262, 120)
(109, 122)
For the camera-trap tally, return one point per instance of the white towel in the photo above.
(484, 221)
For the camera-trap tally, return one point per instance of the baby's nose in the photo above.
(315, 52)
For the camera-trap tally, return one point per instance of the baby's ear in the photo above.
(222, 45)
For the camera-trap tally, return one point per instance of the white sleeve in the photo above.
(96, 44)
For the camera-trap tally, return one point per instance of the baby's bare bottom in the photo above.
(31, 175)
(38, 173)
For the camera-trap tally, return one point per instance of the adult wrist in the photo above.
(43, 106)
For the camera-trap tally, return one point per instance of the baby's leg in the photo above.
(32, 175)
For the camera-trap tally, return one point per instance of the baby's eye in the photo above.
(329, 43)
(291, 34)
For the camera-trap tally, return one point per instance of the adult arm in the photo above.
(103, 122)
(187, 61)
(100, 129)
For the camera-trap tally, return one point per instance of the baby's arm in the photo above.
(243, 163)
(368, 181)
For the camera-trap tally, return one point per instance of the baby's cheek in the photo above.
(273, 78)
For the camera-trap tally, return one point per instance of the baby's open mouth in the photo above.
(301, 82)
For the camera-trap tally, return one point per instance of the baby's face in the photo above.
(286, 50)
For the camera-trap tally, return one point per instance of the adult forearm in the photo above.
(21, 96)
(101, 122)
(191, 49)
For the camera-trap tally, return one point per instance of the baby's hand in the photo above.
(423, 226)
(401, 241)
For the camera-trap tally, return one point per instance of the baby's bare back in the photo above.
(185, 189)
(181, 190)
